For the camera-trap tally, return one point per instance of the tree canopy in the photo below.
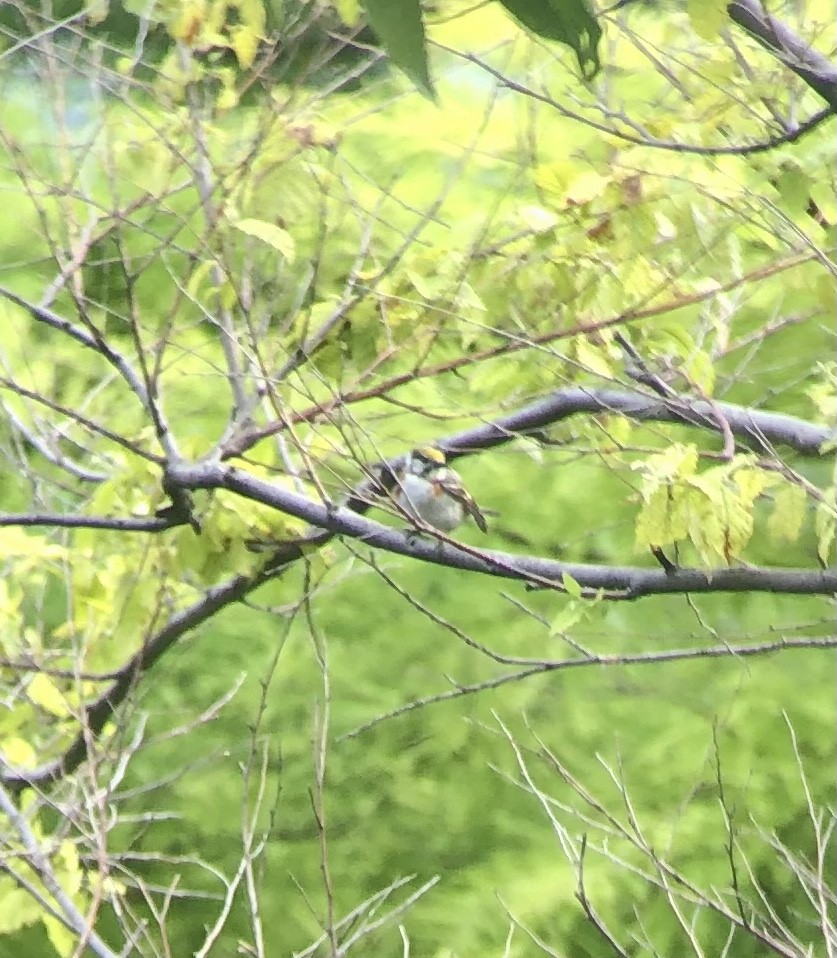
(254, 254)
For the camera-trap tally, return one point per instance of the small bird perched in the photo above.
(427, 488)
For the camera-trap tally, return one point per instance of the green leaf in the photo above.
(572, 587)
(824, 525)
(700, 371)
(788, 514)
(569, 21)
(43, 692)
(245, 45)
(18, 908)
(399, 26)
(794, 186)
(592, 358)
(348, 11)
(569, 616)
(707, 17)
(16, 751)
(281, 240)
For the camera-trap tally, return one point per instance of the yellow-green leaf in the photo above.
(569, 616)
(592, 358)
(572, 587)
(585, 187)
(245, 44)
(348, 11)
(43, 692)
(618, 429)
(700, 370)
(824, 526)
(61, 939)
(751, 483)
(788, 514)
(677, 462)
(18, 752)
(96, 11)
(707, 17)
(537, 219)
(281, 240)
(18, 908)
(252, 14)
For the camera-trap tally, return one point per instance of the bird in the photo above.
(427, 488)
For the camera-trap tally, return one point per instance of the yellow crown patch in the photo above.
(432, 454)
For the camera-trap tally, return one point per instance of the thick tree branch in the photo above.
(625, 582)
(759, 430)
(616, 582)
(808, 64)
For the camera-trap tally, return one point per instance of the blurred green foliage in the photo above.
(480, 228)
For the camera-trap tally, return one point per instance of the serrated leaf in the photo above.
(679, 461)
(399, 26)
(751, 483)
(660, 521)
(60, 937)
(823, 392)
(788, 513)
(618, 429)
(281, 240)
(18, 907)
(569, 21)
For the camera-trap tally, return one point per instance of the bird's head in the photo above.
(426, 459)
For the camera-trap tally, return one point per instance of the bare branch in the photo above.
(246, 439)
(85, 338)
(59, 521)
(624, 582)
(36, 857)
(639, 658)
(816, 70)
(646, 139)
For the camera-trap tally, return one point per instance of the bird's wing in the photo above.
(456, 491)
